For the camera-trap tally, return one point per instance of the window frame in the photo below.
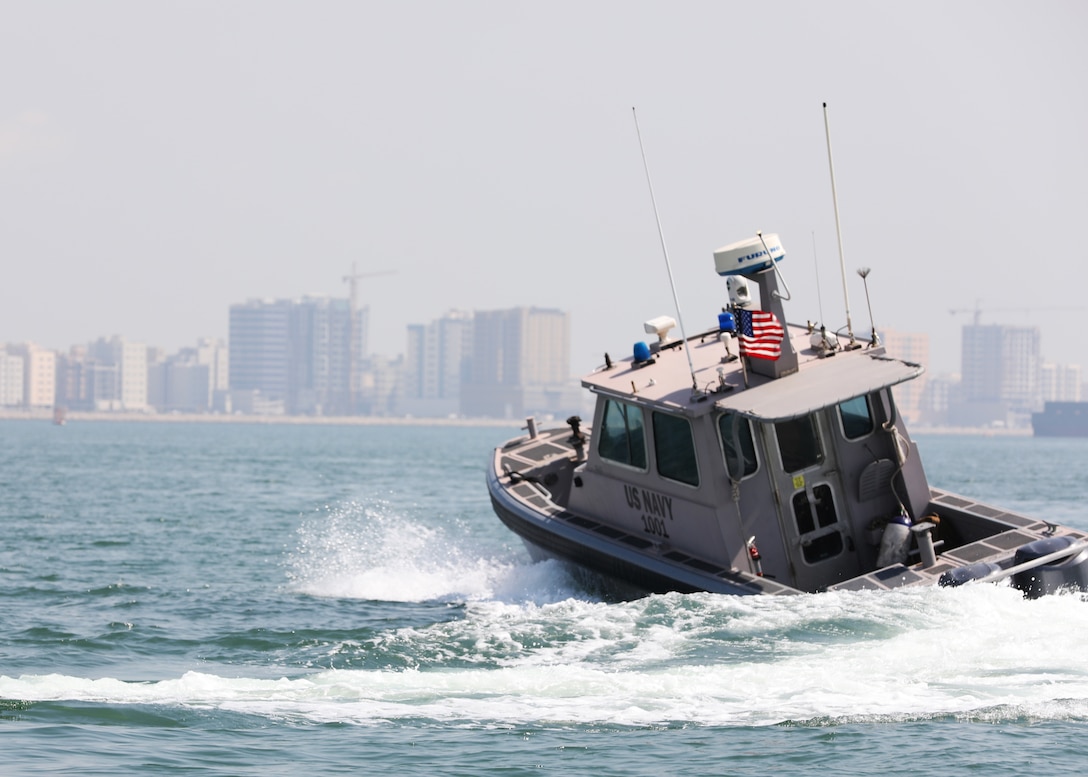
(824, 539)
(626, 408)
(814, 425)
(867, 399)
(756, 463)
(678, 465)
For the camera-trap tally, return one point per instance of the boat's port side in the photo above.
(536, 475)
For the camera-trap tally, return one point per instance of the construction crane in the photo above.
(353, 335)
(977, 311)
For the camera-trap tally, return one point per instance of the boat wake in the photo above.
(981, 653)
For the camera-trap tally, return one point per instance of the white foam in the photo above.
(370, 552)
(978, 651)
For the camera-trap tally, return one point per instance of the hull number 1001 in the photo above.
(651, 524)
(652, 507)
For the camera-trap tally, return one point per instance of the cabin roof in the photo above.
(821, 381)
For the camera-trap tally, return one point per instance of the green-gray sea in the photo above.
(234, 599)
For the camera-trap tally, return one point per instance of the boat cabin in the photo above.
(791, 476)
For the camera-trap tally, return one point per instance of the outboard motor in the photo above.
(980, 570)
(1070, 573)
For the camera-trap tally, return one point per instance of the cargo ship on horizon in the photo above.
(1061, 419)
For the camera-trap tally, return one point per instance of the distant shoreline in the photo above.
(79, 416)
(974, 431)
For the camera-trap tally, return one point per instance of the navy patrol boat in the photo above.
(760, 457)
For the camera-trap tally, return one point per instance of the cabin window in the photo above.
(675, 449)
(798, 443)
(622, 438)
(737, 445)
(857, 417)
(817, 512)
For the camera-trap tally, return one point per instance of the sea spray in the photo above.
(375, 552)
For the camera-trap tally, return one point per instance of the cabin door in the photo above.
(811, 507)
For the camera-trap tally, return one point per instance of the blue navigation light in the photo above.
(642, 352)
(726, 322)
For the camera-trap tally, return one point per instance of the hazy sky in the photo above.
(160, 161)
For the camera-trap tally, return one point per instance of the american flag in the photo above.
(760, 334)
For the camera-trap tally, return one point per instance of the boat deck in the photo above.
(997, 548)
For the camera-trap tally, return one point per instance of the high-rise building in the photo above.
(436, 364)
(321, 361)
(940, 396)
(133, 362)
(86, 383)
(11, 379)
(911, 347)
(108, 374)
(39, 374)
(1001, 375)
(72, 391)
(213, 352)
(260, 349)
(193, 380)
(520, 365)
(296, 354)
(380, 385)
(1061, 382)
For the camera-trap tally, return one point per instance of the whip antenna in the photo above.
(825, 344)
(838, 231)
(819, 294)
(665, 251)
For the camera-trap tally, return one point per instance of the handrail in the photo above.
(1068, 551)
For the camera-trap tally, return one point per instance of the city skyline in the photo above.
(486, 154)
(306, 357)
(293, 357)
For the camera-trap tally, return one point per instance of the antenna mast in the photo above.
(665, 251)
(819, 295)
(838, 231)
